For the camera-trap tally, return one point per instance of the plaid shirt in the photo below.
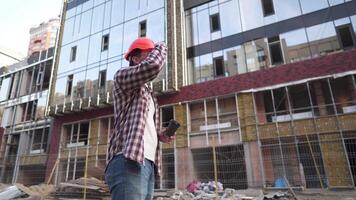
(131, 96)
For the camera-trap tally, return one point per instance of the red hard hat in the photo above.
(142, 43)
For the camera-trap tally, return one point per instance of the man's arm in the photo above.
(135, 76)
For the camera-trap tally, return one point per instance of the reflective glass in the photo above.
(191, 26)
(91, 82)
(256, 55)
(322, 39)
(98, 19)
(191, 70)
(130, 9)
(82, 53)
(68, 31)
(206, 68)
(5, 88)
(251, 14)
(70, 13)
(94, 48)
(155, 4)
(229, 12)
(130, 33)
(64, 64)
(97, 2)
(115, 44)
(85, 20)
(107, 15)
(41, 106)
(110, 72)
(335, 2)
(203, 26)
(342, 21)
(87, 5)
(155, 25)
(77, 26)
(117, 13)
(310, 6)
(78, 85)
(286, 9)
(295, 46)
(230, 61)
(353, 22)
(60, 90)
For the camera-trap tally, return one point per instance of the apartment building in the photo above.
(264, 89)
(43, 36)
(25, 129)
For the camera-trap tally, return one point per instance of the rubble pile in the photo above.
(211, 191)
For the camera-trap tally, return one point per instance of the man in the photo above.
(133, 152)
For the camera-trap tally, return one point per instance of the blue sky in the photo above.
(18, 16)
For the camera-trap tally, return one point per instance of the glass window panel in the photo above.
(70, 13)
(206, 68)
(85, 20)
(41, 105)
(60, 90)
(115, 44)
(78, 85)
(193, 70)
(5, 88)
(155, 4)
(295, 46)
(82, 53)
(335, 2)
(133, 6)
(322, 39)
(251, 18)
(155, 26)
(77, 26)
(342, 21)
(88, 4)
(98, 19)
(64, 64)
(230, 60)
(130, 33)
(91, 82)
(107, 15)
(117, 14)
(256, 55)
(191, 26)
(111, 70)
(203, 26)
(68, 30)
(95, 48)
(97, 2)
(79, 9)
(286, 9)
(229, 13)
(310, 6)
(353, 22)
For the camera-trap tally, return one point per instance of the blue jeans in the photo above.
(129, 180)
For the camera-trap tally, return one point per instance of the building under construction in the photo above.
(264, 90)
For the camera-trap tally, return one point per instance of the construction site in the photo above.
(266, 99)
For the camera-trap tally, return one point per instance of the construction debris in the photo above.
(227, 194)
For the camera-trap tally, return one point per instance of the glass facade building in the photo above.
(265, 86)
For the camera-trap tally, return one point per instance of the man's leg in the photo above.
(148, 180)
(124, 179)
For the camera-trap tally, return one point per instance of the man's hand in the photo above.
(164, 138)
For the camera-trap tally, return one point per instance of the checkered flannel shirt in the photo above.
(131, 96)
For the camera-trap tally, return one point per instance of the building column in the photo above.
(253, 165)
